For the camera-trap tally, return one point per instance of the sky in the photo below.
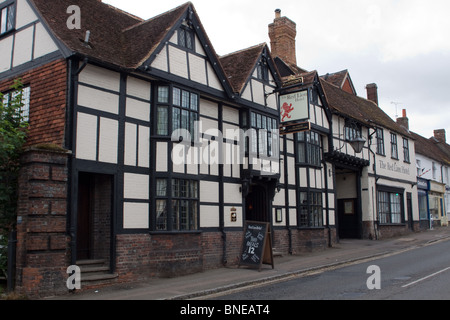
(401, 45)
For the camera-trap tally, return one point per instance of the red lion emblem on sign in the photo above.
(286, 109)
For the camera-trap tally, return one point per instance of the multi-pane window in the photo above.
(390, 207)
(183, 200)
(24, 96)
(394, 147)
(406, 150)
(181, 107)
(186, 38)
(263, 135)
(309, 150)
(262, 71)
(7, 18)
(310, 210)
(380, 142)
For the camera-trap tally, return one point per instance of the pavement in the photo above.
(212, 283)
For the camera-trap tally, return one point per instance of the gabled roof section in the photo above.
(429, 148)
(364, 111)
(105, 23)
(288, 69)
(342, 80)
(240, 65)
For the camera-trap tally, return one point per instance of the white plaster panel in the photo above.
(209, 191)
(160, 61)
(130, 144)
(5, 53)
(97, 99)
(209, 108)
(43, 42)
(108, 142)
(209, 216)
(232, 194)
(135, 215)
(23, 46)
(161, 156)
(197, 69)
(144, 147)
(137, 109)
(100, 77)
(86, 146)
(136, 186)
(138, 88)
(178, 62)
(24, 14)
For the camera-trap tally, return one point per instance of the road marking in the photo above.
(424, 278)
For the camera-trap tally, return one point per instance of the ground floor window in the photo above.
(390, 207)
(423, 205)
(176, 210)
(311, 210)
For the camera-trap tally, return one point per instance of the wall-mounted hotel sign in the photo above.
(294, 112)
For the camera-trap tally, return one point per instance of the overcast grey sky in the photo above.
(401, 45)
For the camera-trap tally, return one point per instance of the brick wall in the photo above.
(43, 244)
(48, 85)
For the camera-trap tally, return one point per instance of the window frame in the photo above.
(264, 135)
(310, 209)
(311, 145)
(170, 219)
(387, 205)
(6, 7)
(406, 153)
(187, 106)
(25, 91)
(380, 142)
(394, 146)
(183, 34)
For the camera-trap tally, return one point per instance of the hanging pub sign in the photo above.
(294, 112)
(257, 245)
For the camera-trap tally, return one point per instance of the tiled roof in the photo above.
(360, 109)
(430, 148)
(239, 65)
(116, 37)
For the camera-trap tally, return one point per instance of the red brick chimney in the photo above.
(372, 92)
(403, 120)
(439, 135)
(282, 33)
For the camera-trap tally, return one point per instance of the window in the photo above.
(264, 136)
(390, 207)
(262, 71)
(7, 18)
(311, 210)
(352, 131)
(183, 111)
(380, 142)
(186, 38)
(309, 149)
(183, 211)
(406, 150)
(394, 148)
(24, 96)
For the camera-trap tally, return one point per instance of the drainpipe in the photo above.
(374, 193)
(286, 194)
(327, 204)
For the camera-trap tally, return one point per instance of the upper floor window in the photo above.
(7, 18)
(264, 135)
(179, 106)
(262, 71)
(309, 150)
(406, 150)
(186, 38)
(380, 142)
(394, 146)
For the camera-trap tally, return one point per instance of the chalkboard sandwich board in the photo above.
(257, 245)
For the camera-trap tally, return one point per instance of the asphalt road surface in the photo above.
(419, 274)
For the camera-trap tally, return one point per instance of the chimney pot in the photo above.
(277, 13)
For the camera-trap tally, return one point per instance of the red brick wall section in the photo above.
(43, 253)
(48, 85)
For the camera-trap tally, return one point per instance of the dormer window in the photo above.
(263, 71)
(7, 18)
(186, 38)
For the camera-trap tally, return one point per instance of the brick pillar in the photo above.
(42, 242)
(372, 92)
